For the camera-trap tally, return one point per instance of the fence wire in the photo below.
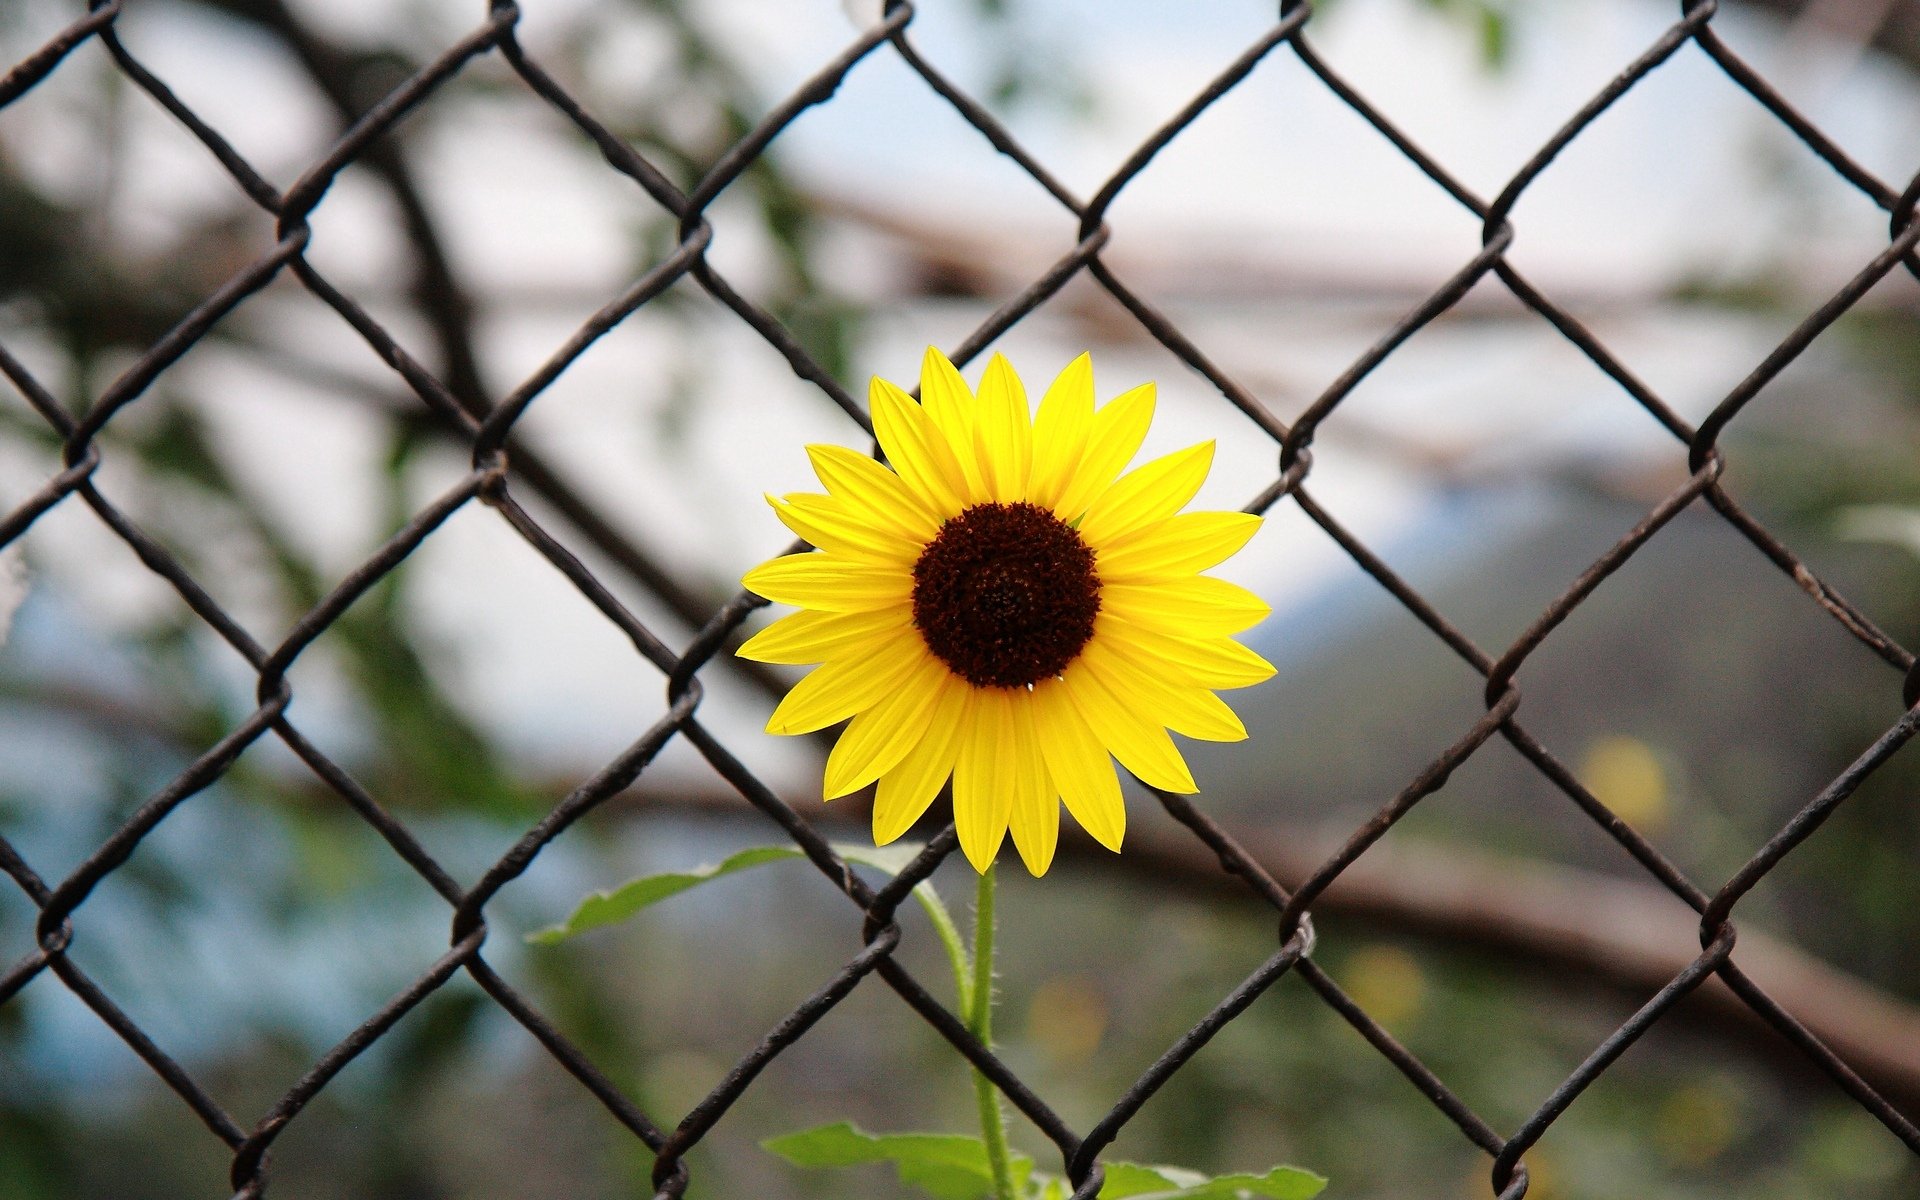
(494, 473)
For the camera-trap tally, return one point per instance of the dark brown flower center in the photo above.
(1005, 594)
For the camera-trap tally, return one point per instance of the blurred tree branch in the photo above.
(1614, 931)
(1618, 932)
(352, 81)
(1892, 26)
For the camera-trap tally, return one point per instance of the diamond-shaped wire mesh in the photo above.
(498, 470)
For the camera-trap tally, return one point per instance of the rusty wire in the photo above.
(494, 473)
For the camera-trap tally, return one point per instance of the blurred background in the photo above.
(1496, 930)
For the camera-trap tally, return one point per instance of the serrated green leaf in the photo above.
(947, 1166)
(616, 905)
(1132, 1181)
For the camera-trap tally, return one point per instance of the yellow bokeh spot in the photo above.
(1067, 1019)
(1626, 775)
(1387, 982)
(1697, 1123)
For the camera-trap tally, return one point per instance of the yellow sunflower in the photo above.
(1005, 607)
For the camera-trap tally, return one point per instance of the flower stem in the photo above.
(993, 1121)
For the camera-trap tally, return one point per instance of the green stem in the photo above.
(993, 1121)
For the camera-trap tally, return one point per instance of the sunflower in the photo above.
(1005, 607)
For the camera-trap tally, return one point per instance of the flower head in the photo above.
(1005, 607)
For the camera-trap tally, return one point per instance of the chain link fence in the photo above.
(499, 471)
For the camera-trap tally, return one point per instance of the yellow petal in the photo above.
(812, 637)
(983, 777)
(946, 398)
(1215, 662)
(877, 739)
(1142, 747)
(1179, 706)
(1179, 545)
(1036, 804)
(917, 449)
(1199, 607)
(825, 582)
(1153, 493)
(1118, 429)
(1060, 431)
(905, 791)
(1078, 764)
(867, 487)
(835, 527)
(845, 686)
(1004, 432)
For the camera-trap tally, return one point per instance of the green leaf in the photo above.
(947, 1166)
(610, 907)
(1126, 1180)
(1496, 37)
(1131, 1179)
